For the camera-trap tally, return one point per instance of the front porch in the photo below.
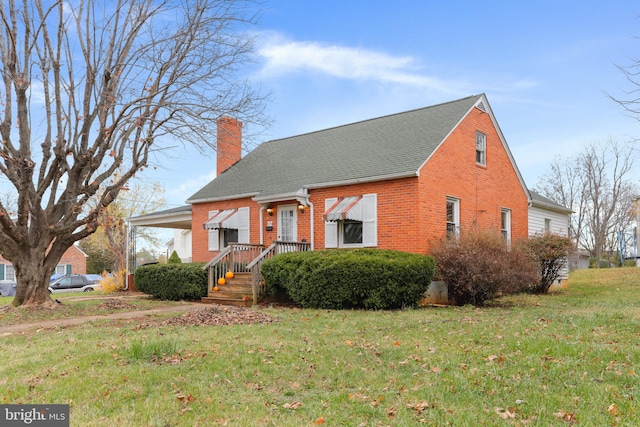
(234, 274)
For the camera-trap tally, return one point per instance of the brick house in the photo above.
(396, 182)
(401, 182)
(73, 261)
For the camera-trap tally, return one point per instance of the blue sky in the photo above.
(546, 67)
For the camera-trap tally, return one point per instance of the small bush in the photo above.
(478, 267)
(174, 258)
(112, 283)
(550, 253)
(172, 282)
(350, 278)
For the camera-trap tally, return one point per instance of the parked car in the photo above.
(7, 288)
(74, 283)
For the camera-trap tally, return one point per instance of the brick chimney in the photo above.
(229, 143)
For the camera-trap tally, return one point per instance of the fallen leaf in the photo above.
(292, 405)
(613, 410)
(320, 420)
(504, 413)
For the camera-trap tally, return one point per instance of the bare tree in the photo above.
(109, 243)
(90, 89)
(597, 186)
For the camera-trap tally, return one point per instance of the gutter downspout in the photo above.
(261, 225)
(311, 226)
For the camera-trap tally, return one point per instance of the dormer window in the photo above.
(481, 149)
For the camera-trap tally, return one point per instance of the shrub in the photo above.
(350, 278)
(550, 253)
(478, 267)
(172, 281)
(174, 258)
(112, 283)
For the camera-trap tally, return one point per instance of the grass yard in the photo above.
(569, 358)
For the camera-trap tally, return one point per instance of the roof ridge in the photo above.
(374, 118)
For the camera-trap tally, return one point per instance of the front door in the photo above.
(287, 223)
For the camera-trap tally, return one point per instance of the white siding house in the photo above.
(547, 216)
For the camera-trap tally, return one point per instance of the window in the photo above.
(229, 235)
(351, 221)
(351, 233)
(61, 269)
(10, 273)
(481, 149)
(453, 217)
(547, 225)
(227, 226)
(505, 226)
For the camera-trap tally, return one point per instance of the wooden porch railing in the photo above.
(238, 257)
(257, 281)
(234, 257)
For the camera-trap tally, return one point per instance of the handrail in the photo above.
(262, 255)
(218, 257)
(238, 257)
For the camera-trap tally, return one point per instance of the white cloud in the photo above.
(283, 57)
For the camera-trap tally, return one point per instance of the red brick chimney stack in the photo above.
(229, 143)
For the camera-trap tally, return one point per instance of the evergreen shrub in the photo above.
(172, 282)
(350, 278)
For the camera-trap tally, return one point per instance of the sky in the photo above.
(546, 66)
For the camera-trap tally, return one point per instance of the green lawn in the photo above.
(568, 358)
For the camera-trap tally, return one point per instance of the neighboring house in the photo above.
(402, 182)
(547, 216)
(73, 261)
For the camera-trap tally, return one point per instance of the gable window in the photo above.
(453, 217)
(505, 221)
(226, 227)
(351, 221)
(481, 149)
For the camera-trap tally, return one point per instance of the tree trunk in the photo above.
(32, 278)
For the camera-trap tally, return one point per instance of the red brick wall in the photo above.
(72, 256)
(483, 191)
(411, 211)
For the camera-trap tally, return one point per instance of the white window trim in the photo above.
(481, 137)
(333, 229)
(508, 225)
(243, 223)
(456, 216)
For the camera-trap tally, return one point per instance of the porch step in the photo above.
(228, 301)
(234, 292)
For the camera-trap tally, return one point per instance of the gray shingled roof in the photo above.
(539, 200)
(390, 146)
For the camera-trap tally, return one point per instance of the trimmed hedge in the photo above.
(172, 282)
(350, 278)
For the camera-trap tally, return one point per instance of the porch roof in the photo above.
(179, 217)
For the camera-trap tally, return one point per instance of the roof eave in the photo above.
(221, 198)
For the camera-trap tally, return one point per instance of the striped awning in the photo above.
(221, 219)
(345, 208)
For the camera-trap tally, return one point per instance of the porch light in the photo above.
(302, 208)
(270, 211)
